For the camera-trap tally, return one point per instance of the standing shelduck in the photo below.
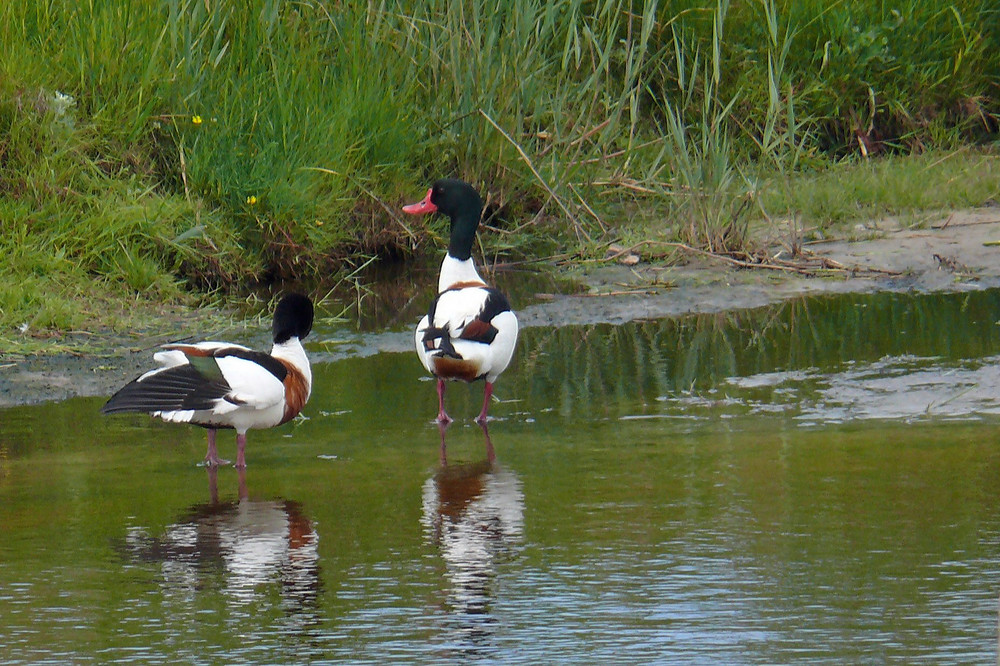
(469, 332)
(223, 385)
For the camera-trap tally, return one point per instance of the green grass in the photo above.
(896, 185)
(832, 199)
(175, 151)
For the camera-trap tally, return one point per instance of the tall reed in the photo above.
(232, 143)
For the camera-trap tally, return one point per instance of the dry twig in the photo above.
(527, 160)
(804, 266)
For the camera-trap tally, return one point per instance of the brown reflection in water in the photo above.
(474, 514)
(240, 548)
(4, 462)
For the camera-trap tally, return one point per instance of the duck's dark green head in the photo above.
(292, 318)
(459, 201)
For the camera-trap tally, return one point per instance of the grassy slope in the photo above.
(155, 152)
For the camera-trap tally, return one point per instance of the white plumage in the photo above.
(454, 311)
(470, 332)
(224, 385)
(256, 398)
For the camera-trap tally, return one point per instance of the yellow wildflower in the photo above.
(196, 120)
(252, 200)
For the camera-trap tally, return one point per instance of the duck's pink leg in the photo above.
(212, 457)
(487, 394)
(442, 416)
(241, 445)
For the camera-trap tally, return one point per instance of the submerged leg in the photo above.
(243, 483)
(213, 483)
(487, 394)
(442, 416)
(491, 455)
(442, 427)
(241, 445)
(212, 457)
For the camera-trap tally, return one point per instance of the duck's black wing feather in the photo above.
(176, 388)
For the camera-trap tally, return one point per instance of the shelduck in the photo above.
(223, 385)
(469, 332)
(245, 549)
(473, 515)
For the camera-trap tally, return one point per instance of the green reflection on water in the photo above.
(609, 369)
(740, 540)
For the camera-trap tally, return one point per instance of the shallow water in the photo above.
(811, 482)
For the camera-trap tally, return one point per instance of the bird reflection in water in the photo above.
(474, 514)
(241, 548)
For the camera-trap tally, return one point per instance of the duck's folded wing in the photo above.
(468, 313)
(471, 307)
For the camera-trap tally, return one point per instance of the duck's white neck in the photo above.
(292, 351)
(455, 271)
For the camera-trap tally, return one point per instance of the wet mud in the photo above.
(953, 252)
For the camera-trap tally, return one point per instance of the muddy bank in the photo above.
(949, 253)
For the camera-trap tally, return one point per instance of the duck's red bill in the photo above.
(423, 207)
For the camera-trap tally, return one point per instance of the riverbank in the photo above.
(948, 252)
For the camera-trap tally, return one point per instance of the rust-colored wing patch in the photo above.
(479, 331)
(296, 391)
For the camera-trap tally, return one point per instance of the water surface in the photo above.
(811, 482)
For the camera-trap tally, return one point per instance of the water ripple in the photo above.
(905, 388)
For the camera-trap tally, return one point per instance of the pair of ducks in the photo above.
(468, 334)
